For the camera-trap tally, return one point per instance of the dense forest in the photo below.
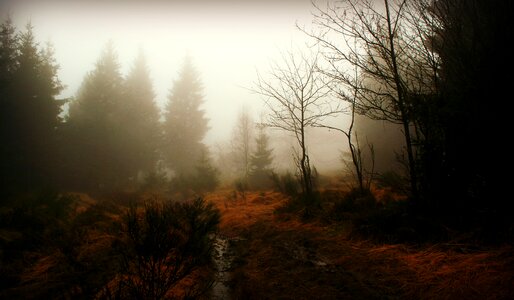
(106, 196)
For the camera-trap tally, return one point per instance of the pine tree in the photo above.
(261, 160)
(29, 131)
(100, 93)
(185, 123)
(8, 64)
(93, 131)
(207, 176)
(8, 53)
(140, 119)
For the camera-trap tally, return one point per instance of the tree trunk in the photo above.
(401, 107)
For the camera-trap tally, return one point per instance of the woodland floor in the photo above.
(277, 256)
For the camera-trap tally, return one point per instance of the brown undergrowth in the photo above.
(281, 257)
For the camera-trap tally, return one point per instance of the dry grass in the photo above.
(238, 213)
(284, 258)
(280, 257)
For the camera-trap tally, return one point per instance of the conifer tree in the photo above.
(140, 119)
(31, 108)
(8, 64)
(207, 176)
(8, 53)
(261, 160)
(93, 132)
(185, 123)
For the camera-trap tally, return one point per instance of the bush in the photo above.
(394, 181)
(356, 201)
(305, 205)
(397, 222)
(36, 217)
(164, 244)
(241, 187)
(58, 252)
(154, 180)
(204, 179)
(286, 183)
(261, 179)
(181, 184)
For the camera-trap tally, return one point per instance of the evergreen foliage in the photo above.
(207, 176)
(140, 119)
(185, 124)
(93, 134)
(29, 109)
(261, 161)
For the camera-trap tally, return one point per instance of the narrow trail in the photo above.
(265, 255)
(223, 262)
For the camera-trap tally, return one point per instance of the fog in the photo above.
(227, 41)
(234, 149)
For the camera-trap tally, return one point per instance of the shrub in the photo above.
(241, 187)
(204, 179)
(165, 242)
(299, 202)
(286, 183)
(356, 201)
(392, 180)
(261, 179)
(154, 180)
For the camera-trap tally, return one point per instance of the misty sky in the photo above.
(228, 40)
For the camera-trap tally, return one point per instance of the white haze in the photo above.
(228, 41)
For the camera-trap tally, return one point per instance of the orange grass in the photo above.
(285, 258)
(281, 257)
(238, 213)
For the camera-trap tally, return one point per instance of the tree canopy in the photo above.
(30, 110)
(94, 141)
(185, 124)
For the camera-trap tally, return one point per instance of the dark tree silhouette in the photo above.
(207, 176)
(8, 64)
(185, 124)
(261, 160)
(296, 97)
(30, 110)
(427, 66)
(8, 53)
(94, 140)
(470, 38)
(393, 65)
(140, 120)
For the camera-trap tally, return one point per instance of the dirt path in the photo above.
(280, 257)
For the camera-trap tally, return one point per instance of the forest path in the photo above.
(277, 256)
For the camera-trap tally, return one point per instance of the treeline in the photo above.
(111, 136)
(428, 67)
(431, 69)
(109, 140)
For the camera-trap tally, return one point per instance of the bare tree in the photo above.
(296, 96)
(353, 144)
(241, 143)
(385, 44)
